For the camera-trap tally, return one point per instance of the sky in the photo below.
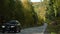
(36, 0)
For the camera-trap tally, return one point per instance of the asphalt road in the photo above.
(33, 30)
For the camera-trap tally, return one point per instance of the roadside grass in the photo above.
(53, 29)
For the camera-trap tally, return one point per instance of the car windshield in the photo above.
(13, 22)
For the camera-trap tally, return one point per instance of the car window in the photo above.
(13, 23)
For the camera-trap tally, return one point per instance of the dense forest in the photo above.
(53, 16)
(23, 11)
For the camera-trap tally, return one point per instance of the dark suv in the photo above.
(11, 26)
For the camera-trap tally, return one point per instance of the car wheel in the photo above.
(18, 30)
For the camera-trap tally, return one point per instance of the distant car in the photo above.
(12, 26)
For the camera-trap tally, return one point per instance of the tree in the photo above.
(11, 10)
(54, 11)
(20, 10)
(50, 13)
(29, 13)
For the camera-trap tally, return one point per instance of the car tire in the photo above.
(18, 30)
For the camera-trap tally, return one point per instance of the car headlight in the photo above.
(12, 26)
(3, 26)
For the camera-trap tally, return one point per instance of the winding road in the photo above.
(33, 30)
